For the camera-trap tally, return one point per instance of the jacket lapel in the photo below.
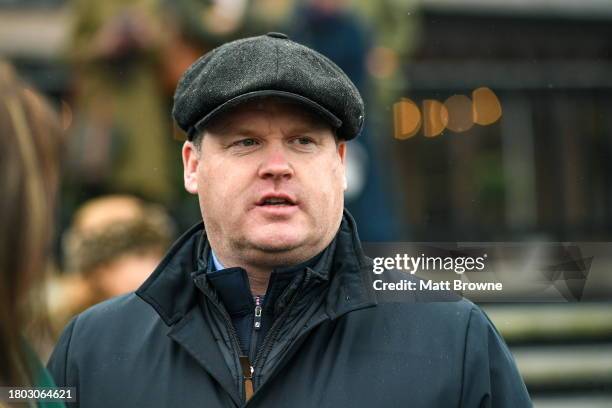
(170, 290)
(193, 333)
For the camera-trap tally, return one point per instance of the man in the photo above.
(269, 302)
(110, 248)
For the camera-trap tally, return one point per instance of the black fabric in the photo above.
(232, 287)
(264, 66)
(335, 343)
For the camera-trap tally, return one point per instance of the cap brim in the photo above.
(238, 100)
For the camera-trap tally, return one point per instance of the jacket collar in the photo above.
(170, 289)
(350, 273)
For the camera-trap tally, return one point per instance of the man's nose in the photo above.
(275, 165)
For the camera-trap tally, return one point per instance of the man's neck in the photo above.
(258, 281)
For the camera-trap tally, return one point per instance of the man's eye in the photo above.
(245, 143)
(304, 140)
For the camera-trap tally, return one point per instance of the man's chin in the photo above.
(276, 244)
(274, 254)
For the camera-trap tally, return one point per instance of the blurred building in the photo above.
(543, 169)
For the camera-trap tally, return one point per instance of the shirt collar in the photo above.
(217, 265)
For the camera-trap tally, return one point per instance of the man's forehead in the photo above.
(247, 114)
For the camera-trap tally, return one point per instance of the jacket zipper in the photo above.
(256, 327)
(248, 368)
(266, 347)
(245, 364)
(245, 361)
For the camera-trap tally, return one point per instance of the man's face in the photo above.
(270, 179)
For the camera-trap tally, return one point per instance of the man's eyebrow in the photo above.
(231, 129)
(304, 128)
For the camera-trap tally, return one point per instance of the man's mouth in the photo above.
(276, 200)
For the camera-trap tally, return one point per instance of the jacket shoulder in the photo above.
(115, 310)
(99, 332)
(117, 322)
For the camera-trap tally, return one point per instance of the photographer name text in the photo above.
(428, 285)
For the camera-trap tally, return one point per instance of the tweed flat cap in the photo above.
(267, 65)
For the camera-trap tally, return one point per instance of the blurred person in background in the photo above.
(30, 136)
(120, 140)
(112, 246)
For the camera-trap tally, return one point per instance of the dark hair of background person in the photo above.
(30, 135)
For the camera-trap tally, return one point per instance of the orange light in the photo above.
(435, 117)
(486, 107)
(406, 119)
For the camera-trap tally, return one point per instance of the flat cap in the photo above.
(267, 65)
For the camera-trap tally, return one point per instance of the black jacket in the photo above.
(335, 342)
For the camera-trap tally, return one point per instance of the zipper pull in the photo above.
(247, 375)
(257, 320)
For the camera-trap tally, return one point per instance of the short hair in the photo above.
(91, 242)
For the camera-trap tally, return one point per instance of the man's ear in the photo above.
(191, 159)
(342, 154)
(342, 151)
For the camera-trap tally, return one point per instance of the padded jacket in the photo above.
(335, 342)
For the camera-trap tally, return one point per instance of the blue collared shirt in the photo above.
(216, 263)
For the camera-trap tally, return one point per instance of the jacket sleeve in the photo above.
(490, 376)
(58, 364)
